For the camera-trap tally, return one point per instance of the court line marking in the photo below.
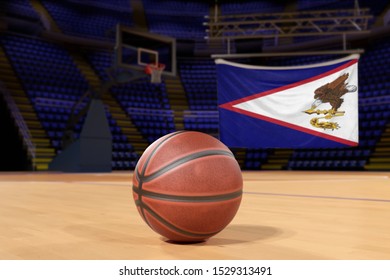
(69, 182)
(368, 178)
(102, 183)
(254, 193)
(321, 197)
(112, 174)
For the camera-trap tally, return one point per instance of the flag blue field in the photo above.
(312, 106)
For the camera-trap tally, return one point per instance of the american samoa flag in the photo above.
(312, 106)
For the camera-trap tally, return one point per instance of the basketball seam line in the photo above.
(182, 198)
(156, 148)
(173, 227)
(144, 169)
(181, 161)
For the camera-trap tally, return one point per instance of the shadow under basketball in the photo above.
(235, 234)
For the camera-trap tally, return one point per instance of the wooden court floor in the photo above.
(283, 215)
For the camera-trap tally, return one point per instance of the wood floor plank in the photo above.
(283, 215)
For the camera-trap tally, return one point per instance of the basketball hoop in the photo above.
(155, 72)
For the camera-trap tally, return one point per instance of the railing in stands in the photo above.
(201, 114)
(193, 114)
(150, 112)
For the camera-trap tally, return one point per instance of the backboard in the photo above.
(136, 48)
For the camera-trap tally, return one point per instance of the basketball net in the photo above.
(155, 72)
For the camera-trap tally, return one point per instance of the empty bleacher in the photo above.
(376, 7)
(179, 19)
(251, 7)
(200, 83)
(19, 9)
(91, 21)
(54, 85)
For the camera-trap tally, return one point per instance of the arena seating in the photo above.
(54, 92)
(376, 7)
(115, 5)
(94, 21)
(19, 9)
(185, 19)
(324, 4)
(255, 158)
(251, 7)
(201, 120)
(199, 80)
(153, 123)
(373, 76)
(45, 69)
(172, 7)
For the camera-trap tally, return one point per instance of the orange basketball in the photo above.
(187, 186)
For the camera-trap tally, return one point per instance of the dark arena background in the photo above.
(77, 110)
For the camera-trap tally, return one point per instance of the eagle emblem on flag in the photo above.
(330, 93)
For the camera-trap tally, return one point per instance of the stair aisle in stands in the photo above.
(278, 159)
(380, 158)
(41, 10)
(177, 100)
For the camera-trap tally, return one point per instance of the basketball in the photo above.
(187, 186)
